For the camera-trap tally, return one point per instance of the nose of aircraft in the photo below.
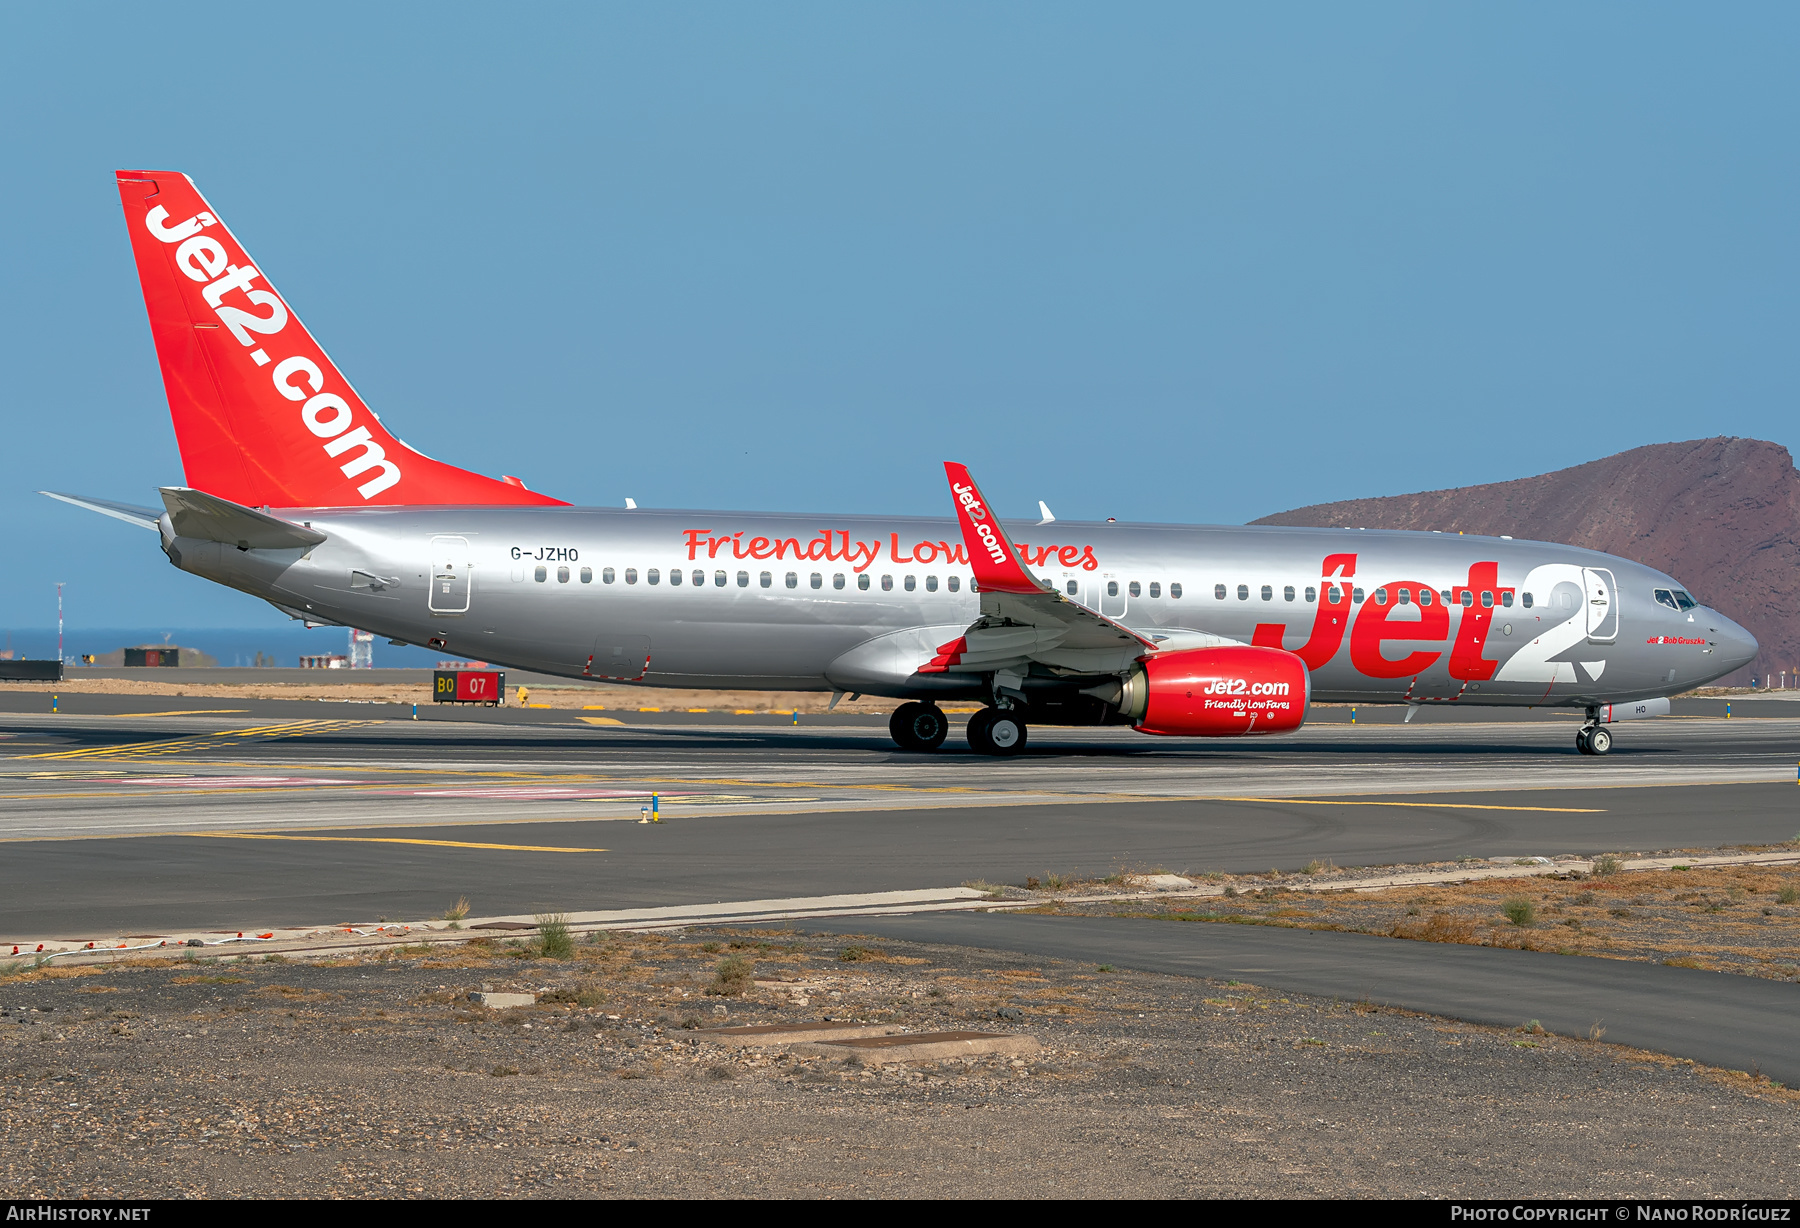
(1736, 647)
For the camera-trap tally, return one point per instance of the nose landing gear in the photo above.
(918, 727)
(1593, 740)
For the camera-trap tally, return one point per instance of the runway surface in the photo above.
(1735, 1022)
(219, 819)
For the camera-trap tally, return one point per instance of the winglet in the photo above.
(996, 564)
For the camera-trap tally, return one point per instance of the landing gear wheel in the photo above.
(919, 727)
(1581, 741)
(993, 732)
(1599, 740)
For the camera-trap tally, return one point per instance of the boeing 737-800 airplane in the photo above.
(297, 494)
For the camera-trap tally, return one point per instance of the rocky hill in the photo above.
(1720, 515)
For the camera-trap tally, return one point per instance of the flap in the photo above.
(195, 513)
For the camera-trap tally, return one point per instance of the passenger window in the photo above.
(766, 579)
(587, 575)
(931, 584)
(1468, 598)
(911, 583)
(887, 584)
(1356, 595)
(1155, 588)
(955, 583)
(674, 575)
(1426, 596)
(1287, 594)
(793, 579)
(1071, 587)
(1112, 588)
(974, 585)
(1243, 592)
(1133, 589)
(1175, 591)
(1506, 600)
(1218, 592)
(837, 580)
(1333, 594)
(606, 575)
(1487, 600)
(862, 581)
(718, 578)
(652, 576)
(1268, 594)
(631, 575)
(818, 581)
(700, 577)
(1312, 594)
(743, 579)
(1381, 596)
(540, 574)
(1403, 597)
(1526, 600)
(562, 575)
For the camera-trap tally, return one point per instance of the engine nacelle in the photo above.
(1218, 692)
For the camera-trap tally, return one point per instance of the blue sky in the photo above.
(1164, 262)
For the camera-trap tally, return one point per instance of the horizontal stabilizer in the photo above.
(210, 518)
(130, 513)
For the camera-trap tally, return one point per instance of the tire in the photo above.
(1004, 734)
(1599, 740)
(1581, 741)
(918, 727)
(977, 732)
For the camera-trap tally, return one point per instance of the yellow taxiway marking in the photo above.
(449, 844)
(200, 742)
(1317, 801)
(183, 712)
(599, 720)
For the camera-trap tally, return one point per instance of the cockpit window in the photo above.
(1665, 597)
(1686, 602)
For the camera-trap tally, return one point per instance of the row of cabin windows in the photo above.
(766, 579)
(1333, 594)
(1402, 595)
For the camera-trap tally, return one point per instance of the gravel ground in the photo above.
(377, 1077)
(1743, 919)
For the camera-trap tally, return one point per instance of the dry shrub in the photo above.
(1440, 927)
(732, 977)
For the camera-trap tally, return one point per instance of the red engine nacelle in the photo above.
(1218, 692)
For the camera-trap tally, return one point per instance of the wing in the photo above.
(1023, 620)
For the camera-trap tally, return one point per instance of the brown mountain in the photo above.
(1720, 515)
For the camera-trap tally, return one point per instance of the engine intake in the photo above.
(1218, 692)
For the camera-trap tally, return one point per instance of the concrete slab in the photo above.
(791, 1033)
(500, 1001)
(925, 1046)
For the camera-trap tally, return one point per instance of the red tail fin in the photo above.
(261, 414)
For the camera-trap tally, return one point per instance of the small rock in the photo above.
(1010, 1012)
(500, 1001)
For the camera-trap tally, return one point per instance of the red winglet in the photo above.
(991, 554)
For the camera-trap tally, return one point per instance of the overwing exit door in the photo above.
(452, 575)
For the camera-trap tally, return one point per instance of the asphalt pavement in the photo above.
(1735, 1022)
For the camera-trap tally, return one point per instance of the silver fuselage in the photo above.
(778, 602)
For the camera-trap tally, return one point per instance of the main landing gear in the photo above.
(921, 727)
(1593, 740)
(917, 726)
(996, 731)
